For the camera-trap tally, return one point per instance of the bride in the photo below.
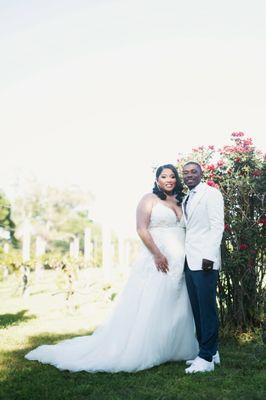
(152, 322)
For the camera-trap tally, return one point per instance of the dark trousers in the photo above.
(201, 286)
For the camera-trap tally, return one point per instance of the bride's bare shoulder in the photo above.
(148, 199)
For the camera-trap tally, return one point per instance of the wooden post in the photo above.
(87, 245)
(26, 239)
(106, 252)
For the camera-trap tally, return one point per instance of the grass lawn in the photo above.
(43, 317)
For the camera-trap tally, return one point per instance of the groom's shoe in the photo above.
(216, 359)
(200, 365)
(189, 362)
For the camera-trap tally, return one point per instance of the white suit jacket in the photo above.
(204, 226)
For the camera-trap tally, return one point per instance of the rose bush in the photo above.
(238, 170)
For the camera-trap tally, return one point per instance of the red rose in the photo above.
(237, 134)
(220, 163)
(213, 184)
(262, 221)
(227, 228)
(247, 142)
(243, 247)
(257, 172)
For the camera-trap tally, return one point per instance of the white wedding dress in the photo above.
(152, 322)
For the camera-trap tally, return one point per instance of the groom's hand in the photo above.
(161, 262)
(207, 265)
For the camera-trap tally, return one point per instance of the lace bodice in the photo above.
(163, 216)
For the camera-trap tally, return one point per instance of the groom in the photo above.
(203, 210)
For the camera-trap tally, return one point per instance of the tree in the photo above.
(57, 215)
(7, 226)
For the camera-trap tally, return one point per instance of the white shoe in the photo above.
(189, 362)
(216, 359)
(200, 365)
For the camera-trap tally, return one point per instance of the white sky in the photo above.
(96, 92)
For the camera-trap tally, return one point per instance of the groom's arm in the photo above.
(215, 209)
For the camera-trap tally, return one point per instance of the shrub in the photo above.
(238, 170)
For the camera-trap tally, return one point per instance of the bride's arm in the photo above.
(143, 219)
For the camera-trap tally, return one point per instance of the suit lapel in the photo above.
(196, 199)
(183, 207)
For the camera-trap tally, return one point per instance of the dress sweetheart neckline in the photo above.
(169, 208)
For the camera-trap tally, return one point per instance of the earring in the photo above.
(158, 187)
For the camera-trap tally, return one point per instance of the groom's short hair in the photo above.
(195, 163)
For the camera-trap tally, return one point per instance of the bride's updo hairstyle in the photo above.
(178, 190)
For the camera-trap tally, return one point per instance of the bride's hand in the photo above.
(161, 262)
